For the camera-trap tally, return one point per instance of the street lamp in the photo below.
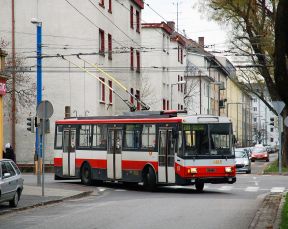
(178, 83)
(38, 24)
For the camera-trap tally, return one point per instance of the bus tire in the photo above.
(86, 174)
(199, 186)
(149, 179)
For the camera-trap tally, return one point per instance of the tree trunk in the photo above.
(285, 140)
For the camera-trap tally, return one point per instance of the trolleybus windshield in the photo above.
(207, 140)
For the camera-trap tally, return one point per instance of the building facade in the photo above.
(106, 33)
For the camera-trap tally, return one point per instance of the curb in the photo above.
(277, 221)
(269, 213)
(48, 202)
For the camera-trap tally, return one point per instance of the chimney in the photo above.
(171, 24)
(201, 41)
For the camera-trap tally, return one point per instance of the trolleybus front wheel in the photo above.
(199, 186)
(149, 179)
(86, 174)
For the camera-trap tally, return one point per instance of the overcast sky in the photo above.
(190, 19)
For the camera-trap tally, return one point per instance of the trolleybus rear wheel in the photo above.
(86, 174)
(149, 179)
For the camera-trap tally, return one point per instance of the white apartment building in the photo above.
(106, 32)
(264, 131)
(163, 66)
(206, 81)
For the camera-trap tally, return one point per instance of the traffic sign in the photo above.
(278, 106)
(44, 110)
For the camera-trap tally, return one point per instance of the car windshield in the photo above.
(258, 150)
(207, 139)
(240, 154)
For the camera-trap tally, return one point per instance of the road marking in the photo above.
(120, 190)
(102, 189)
(251, 189)
(225, 188)
(277, 189)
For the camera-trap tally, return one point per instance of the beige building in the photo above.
(238, 108)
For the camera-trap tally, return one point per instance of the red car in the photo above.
(259, 153)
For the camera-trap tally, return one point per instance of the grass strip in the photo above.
(284, 215)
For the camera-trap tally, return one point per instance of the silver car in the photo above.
(243, 163)
(11, 182)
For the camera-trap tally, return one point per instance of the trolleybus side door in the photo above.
(114, 154)
(69, 154)
(166, 169)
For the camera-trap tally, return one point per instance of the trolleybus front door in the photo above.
(69, 154)
(166, 169)
(114, 154)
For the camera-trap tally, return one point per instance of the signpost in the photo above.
(44, 112)
(279, 106)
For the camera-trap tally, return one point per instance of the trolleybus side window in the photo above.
(99, 136)
(132, 136)
(59, 137)
(85, 136)
(148, 136)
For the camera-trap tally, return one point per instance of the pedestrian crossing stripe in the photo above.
(277, 189)
(251, 189)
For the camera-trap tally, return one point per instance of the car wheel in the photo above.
(252, 160)
(248, 171)
(149, 180)
(267, 160)
(199, 186)
(86, 174)
(14, 202)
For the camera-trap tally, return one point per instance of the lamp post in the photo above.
(178, 83)
(38, 147)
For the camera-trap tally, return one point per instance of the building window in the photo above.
(178, 85)
(137, 21)
(102, 3)
(110, 6)
(178, 53)
(255, 119)
(132, 58)
(181, 55)
(109, 46)
(181, 85)
(271, 129)
(178, 106)
(167, 105)
(164, 104)
(182, 108)
(137, 95)
(138, 61)
(110, 92)
(254, 108)
(131, 97)
(101, 42)
(102, 90)
(271, 139)
(131, 17)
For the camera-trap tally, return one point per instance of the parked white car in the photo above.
(11, 182)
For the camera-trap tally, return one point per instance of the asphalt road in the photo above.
(117, 206)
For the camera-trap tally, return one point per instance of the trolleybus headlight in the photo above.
(228, 169)
(192, 170)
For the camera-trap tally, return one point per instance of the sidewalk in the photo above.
(268, 215)
(55, 192)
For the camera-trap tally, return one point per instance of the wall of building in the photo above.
(65, 31)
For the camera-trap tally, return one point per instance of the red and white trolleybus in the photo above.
(155, 148)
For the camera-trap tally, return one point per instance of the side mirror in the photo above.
(6, 175)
